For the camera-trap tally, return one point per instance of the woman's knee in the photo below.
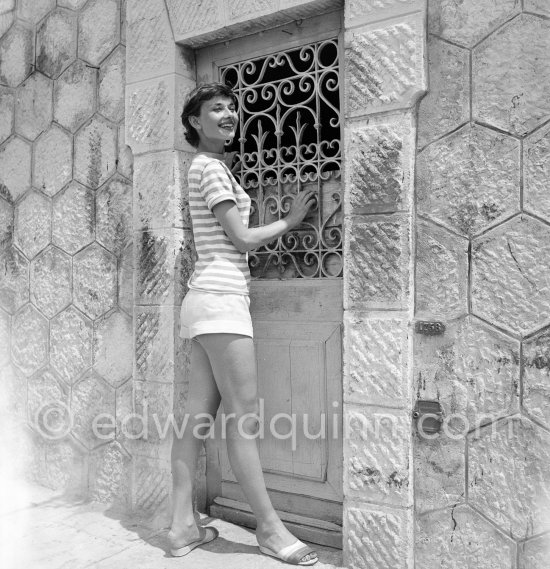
(245, 421)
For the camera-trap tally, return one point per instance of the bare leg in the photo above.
(233, 363)
(203, 397)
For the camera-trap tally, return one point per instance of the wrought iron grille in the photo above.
(288, 142)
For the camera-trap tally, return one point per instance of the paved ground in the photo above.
(40, 530)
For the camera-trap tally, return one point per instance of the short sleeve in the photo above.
(215, 186)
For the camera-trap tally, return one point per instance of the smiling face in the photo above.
(216, 123)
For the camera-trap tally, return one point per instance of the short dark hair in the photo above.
(193, 103)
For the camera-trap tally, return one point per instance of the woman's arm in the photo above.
(246, 239)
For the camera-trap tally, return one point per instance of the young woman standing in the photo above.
(215, 314)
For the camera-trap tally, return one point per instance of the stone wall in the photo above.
(483, 268)
(66, 247)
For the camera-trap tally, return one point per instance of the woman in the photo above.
(215, 314)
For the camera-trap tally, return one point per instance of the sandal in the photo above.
(210, 534)
(292, 554)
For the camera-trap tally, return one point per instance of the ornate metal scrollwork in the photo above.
(289, 141)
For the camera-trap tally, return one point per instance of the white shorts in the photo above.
(215, 313)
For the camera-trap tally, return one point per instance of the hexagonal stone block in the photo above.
(114, 215)
(469, 21)
(113, 348)
(6, 222)
(110, 475)
(7, 111)
(536, 377)
(536, 173)
(95, 280)
(34, 10)
(16, 55)
(509, 475)
(7, 15)
(14, 393)
(51, 281)
(95, 153)
(33, 109)
(29, 339)
(510, 275)
(73, 218)
(112, 81)
(534, 554)
(473, 369)
(15, 164)
(74, 95)
(98, 30)
(52, 160)
(91, 399)
(56, 43)
(441, 272)
(469, 181)
(511, 76)
(33, 222)
(538, 6)
(72, 4)
(459, 537)
(70, 344)
(48, 404)
(14, 279)
(447, 102)
(125, 163)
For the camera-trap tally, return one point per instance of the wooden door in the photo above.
(296, 294)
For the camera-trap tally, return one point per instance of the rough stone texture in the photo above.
(469, 181)
(376, 359)
(159, 277)
(14, 279)
(7, 111)
(469, 21)
(510, 275)
(7, 16)
(518, 498)
(90, 398)
(14, 393)
(384, 67)
(439, 472)
(52, 166)
(95, 153)
(196, 16)
(114, 215)
(56, 43)
(144, 412)
(376, 456)
(74, 95)
(125, 157)
(511, 76)
(371, 10)
(377, 538)
(98, 30)
(33, 223)
(70, 344)
(4, 339)
(16, 55)
(158, 351)
(29, 339)
(458, 537)
(6, 223)
(110, 475)
(15, 168)
(379, 166)
(244, 9)
(536, 177)
(126, 280)
(538, 6)
(160, 187)
(71, 4)
(95, 280)
(34, 10)
(33, 108)
(377, 262)
(112, 81)
(536, 377)
(441, 273)
(51, 281)
(473, 371)
(447, 103)
(113, 348)
(534, 554)
(73, 218)
(151, 480)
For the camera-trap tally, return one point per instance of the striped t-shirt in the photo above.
(220, 266)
